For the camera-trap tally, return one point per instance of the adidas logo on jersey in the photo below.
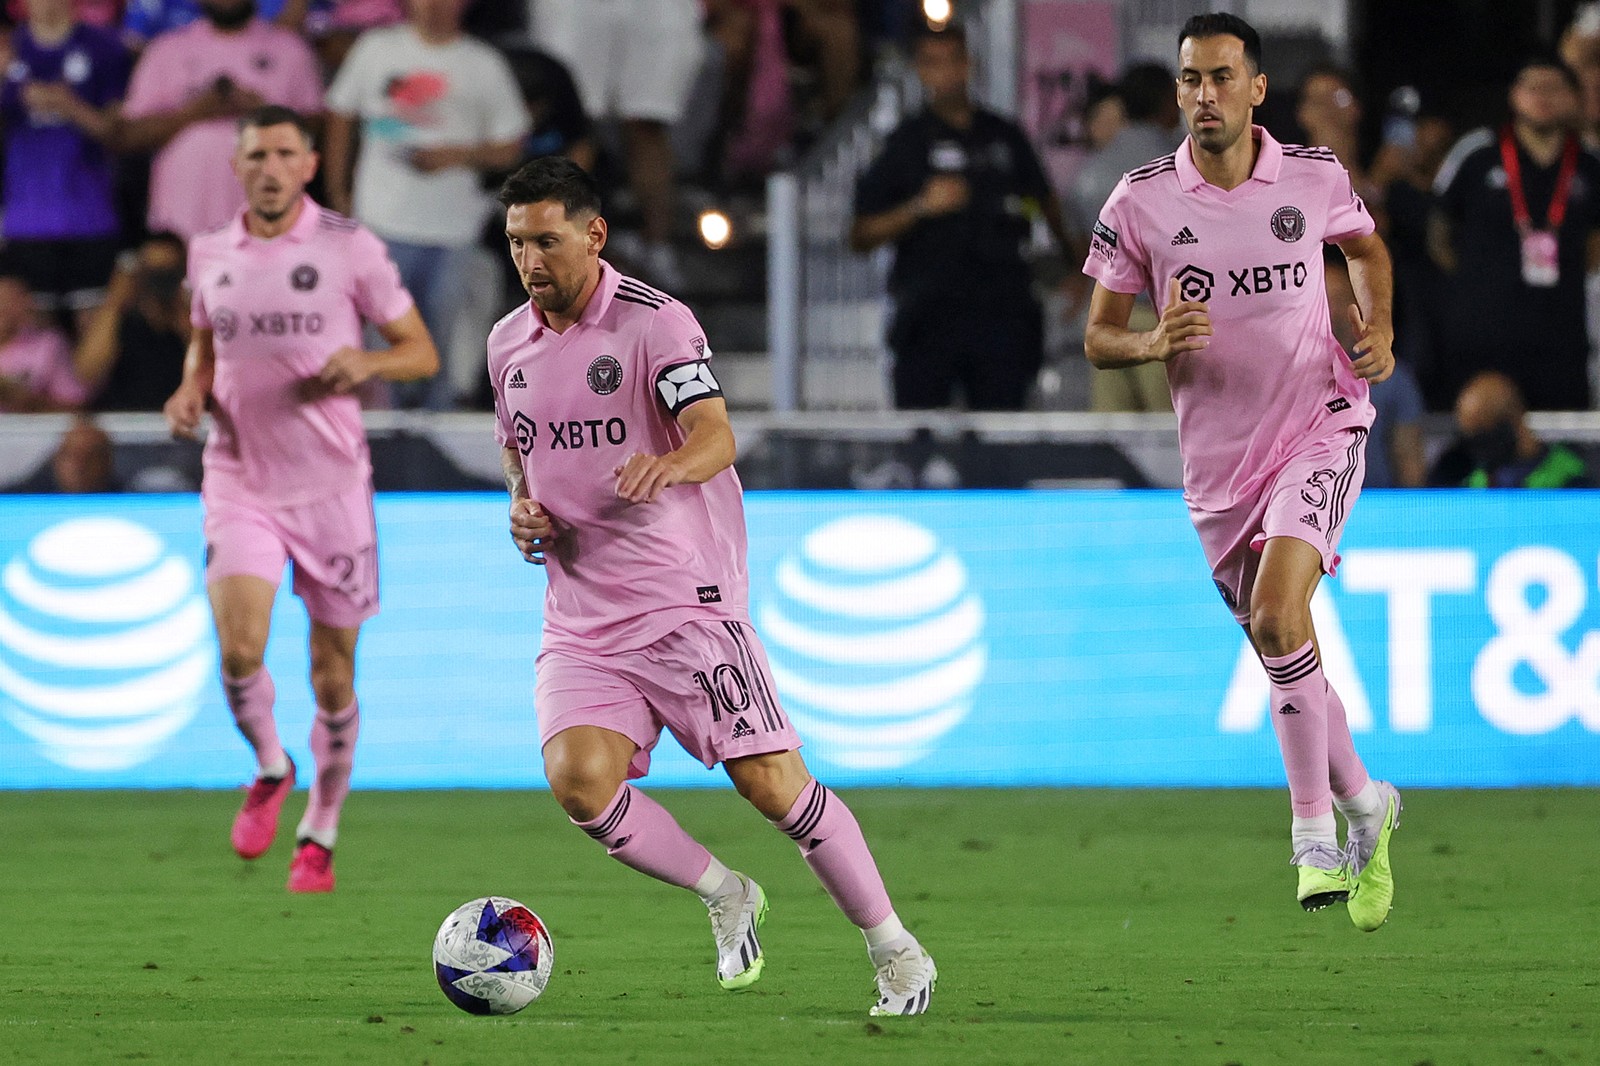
(1288, 708)
(516, 381)
(741, 729)
(1185, 236)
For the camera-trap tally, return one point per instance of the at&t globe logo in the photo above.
(103, 649)
(876, 640)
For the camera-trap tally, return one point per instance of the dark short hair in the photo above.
(1146, 89)
(1219, 24)
(277, 115)
(922, 31)
(554, 178)
(1543, 60)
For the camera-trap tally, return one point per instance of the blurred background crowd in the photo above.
(117, 125)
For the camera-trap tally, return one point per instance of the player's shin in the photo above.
(830, 839)
(1353, 791)
(639, 833)
(251, 700)
(1300, 719)
(333, 743)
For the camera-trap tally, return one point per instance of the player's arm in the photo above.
(1372, 279)
(411, 355)
(707, 451)
(532, 529)
(184, 408)
(1111, 345)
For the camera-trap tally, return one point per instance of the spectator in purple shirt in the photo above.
(59, 104)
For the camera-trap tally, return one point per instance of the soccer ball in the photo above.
(493, 956)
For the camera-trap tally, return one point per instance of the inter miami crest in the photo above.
(1288, 224)
(224, 323)
(304, 278)
(605, 375)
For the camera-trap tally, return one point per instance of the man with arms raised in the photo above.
(280, 294)
(1272, 413)
(618, 456)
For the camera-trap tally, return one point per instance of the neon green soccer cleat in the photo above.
(1324, 876)
(1373, 893)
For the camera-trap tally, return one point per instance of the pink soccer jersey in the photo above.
(192, 185)
(41, 360)
(1273, 375)
(277, 309)
(576, 405)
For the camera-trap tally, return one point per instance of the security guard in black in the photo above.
(955, 190)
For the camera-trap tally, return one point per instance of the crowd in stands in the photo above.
(117, 124)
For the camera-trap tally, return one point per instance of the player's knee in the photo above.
(584, 783)
(334, 690)
(1279, 626)
(771, 787)
(332, 681)
(240, 659)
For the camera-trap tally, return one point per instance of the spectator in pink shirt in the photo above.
(35, 363)
(188, 87)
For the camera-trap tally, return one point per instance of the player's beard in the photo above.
(557, 299)
(269, 214)
(1217, 140)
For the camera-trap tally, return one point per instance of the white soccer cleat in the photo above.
(735, 919)
(905, 982)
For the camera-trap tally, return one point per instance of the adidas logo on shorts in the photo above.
(1311, 520)
(741, 729)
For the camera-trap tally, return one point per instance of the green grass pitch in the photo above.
(1070, 927)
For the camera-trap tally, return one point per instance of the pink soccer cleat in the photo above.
(257, 821)
(311, 870)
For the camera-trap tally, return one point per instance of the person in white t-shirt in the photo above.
(436, 108)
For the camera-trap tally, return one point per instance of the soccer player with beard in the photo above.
(1272, 413)
(280, 294)
(618, 456)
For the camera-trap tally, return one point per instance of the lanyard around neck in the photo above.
(1519, 199)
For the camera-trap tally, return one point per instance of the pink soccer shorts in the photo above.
(1309, 499)
(708, 682)
(333, 543)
